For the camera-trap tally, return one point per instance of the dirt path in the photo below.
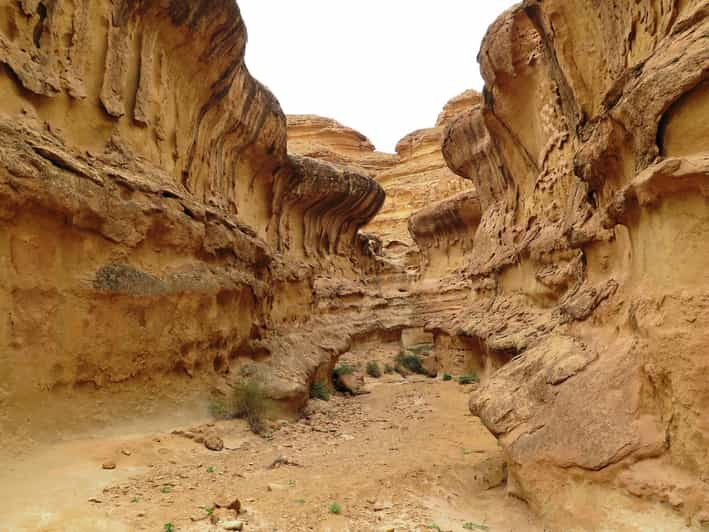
(408, 456)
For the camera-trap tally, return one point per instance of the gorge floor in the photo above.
(400, 458)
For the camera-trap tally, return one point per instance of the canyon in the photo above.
(169, 233)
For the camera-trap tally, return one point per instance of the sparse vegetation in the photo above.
(166, 489)
(409, 362)
(320, 390)
(218, 409)
(343, 369)
(210, 469)
(335, 508)
(299, 501)
(388, 368)
(168, 527)
(468, 379)
(447, 377)
(433, 526)
(373, 369)
(134, 500)
(251, 404)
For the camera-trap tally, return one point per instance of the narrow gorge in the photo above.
(169, 235)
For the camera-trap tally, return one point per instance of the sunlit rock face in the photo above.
(415, 177)
(154, 229)
(589, 157)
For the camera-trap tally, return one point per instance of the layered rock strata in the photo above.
(589, 158)
(154, 228)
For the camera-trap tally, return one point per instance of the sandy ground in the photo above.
(408, 456)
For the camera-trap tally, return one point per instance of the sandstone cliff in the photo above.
(589, 158)
(415, 177)
(154, 228)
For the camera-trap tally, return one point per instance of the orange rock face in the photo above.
(589, 157)
(165, 230)
(414, 178)
(153, 229)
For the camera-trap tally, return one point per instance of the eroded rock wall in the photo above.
(154, 231)
(589, 158)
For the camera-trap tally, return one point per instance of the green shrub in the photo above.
(388, 368)
(218, 409)
(335, 508)
(447, 377)
(251, 404)
(410, 362)
(168, 527)
(468, 379)
(320, 390)
(343, 369)
(373, 370)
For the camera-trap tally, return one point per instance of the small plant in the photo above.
(447, 377)
(433, 526)
(468, 379)
(166, 489)
(291, 483)
(218, 409)
(342, 370)
(209, 510)
(299, 501)
(319, 390)
(251, 404)
(410, 362)
(388, 368)
(168, 527)
(335, 508)
(373, 369)
(475, 526)
(210, 469)
(134, 500)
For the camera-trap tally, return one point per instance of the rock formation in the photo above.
(414, 178)
(154, 229)
(589, 158)
(167, 230)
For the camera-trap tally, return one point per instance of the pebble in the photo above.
(214, 443)
(233, 525)
(109, 465)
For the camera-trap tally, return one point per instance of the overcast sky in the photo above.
(383, 67)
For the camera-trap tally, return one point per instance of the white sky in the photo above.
(383, 67)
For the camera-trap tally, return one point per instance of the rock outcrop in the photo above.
(154, 230)
(589, 159)
(414, 178)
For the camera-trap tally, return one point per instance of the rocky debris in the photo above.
(228, 502)
(232, 525)
(352, 383)
(214, 443)
(283, 461)
(109, 465)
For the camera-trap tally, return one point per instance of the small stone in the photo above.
(231, 503)
(214, 443)
(95, 500)
(109, 465)
(382, 505)
(276, 487)
(126, 452)
(233, 525)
